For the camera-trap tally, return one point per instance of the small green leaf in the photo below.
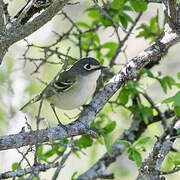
(110, 127)
(15, 165)
(93, 13)
(85, 141)
(168, 100)
(138, 6)
(73, 176)
(142, 141)
(176, 162)
(178, 131)
(177, 110)
(117, 4)
(177, 85)
(40, 150)
(126, 143)
(82, 25)
(111, 46)
(123, 21)
(149, 73)
(51, 152)
(163, 85)
(123, 96)
(146, 113)
(105, 21)
(138, 158)
(177, 99)
(178, 75)
(107, 143)
(135, 156)
(169, 81)
(127, 17)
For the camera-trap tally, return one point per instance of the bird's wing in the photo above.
(64, 82)
(63, 85)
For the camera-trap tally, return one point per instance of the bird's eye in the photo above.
(87, 66)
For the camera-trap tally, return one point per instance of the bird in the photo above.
(73, 87)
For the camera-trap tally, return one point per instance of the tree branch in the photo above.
(16, 33)
(1, 16)
(151, 1)
(132, 134)
(22, 172)
(150, 168)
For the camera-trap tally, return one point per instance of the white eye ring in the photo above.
(87, 67)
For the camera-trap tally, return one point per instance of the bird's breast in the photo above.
(78, 95)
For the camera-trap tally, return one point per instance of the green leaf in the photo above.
(169, 81)
(135, 156)
(112, 46)
(107, 143)
(123, 96)
(15, 165)
(153, 23)
(138, 6)
(127, 17)
(105, 21)
(127, 8)
(109, 45)
(146, 113)
(177, 85)
(149, 73)
(177, 110)
(142, 141)
(178, 131)
(40, 150)
(138, 158)
(51, 152)
(163, 85)
(84, 142)
(123, 21)
(150, 31)
(93, 13)
(82, 25)
(178, 75)
(73, 176)
(176, 162)
(110, 127)
(177, 99)
(168, 100)
(117, 4)
(126, 143)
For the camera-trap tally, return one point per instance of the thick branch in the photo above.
(16, 33)
(44, 135)
(150, 168)
(132, 134)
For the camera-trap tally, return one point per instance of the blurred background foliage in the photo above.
(41, 56)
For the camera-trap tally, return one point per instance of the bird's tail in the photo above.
(32, 101)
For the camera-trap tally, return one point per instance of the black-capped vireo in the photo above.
(73, 87)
